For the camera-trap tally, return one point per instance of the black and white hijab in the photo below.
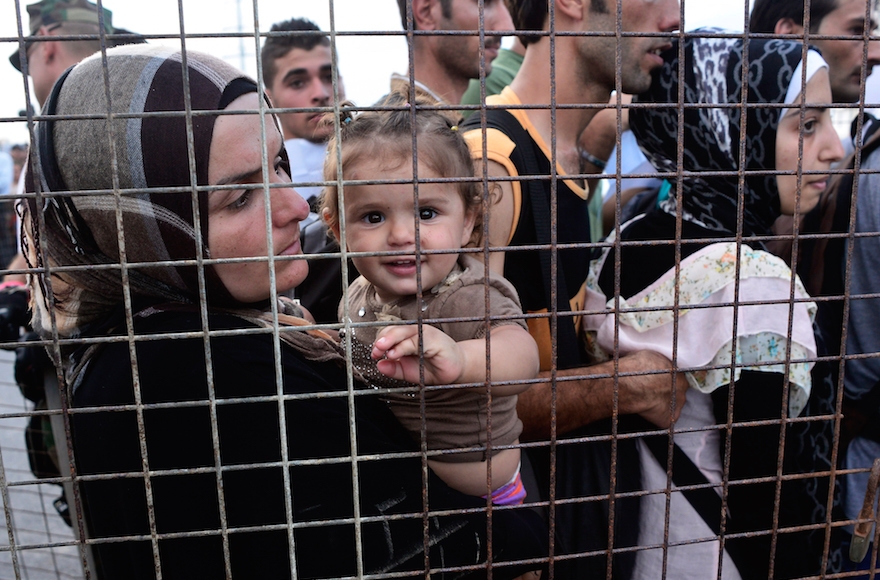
(659, 317)
(712, 74)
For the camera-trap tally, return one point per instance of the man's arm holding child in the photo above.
(586, 394)
(644, 384)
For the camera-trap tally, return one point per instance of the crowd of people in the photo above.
(303, 337)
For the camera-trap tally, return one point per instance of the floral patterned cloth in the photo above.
(705, 292)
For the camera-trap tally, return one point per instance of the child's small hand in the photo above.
(397, 350)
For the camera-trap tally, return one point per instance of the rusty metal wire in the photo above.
(23, 545)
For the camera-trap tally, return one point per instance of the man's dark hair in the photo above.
(531, 14)
(766, 13)
(277, 46)
(598, 6)
(528, 15)
(445, 9)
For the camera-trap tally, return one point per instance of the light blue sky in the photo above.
(366, 62)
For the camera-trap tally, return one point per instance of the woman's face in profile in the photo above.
(237, 217)
(821, 147)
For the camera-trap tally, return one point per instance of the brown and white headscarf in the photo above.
(128, 139)
(98, 153)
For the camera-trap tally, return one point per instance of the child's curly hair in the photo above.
(380, 136)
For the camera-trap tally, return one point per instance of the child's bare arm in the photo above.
(514, 356)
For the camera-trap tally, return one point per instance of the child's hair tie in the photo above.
(346, 116)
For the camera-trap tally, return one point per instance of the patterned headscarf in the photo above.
(713, 75)
(143, 157)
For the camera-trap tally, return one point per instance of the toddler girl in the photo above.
(457, 318)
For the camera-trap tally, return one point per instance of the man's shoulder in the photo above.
(505, 118)
(498, 143)
(503, 106)
(871, 152)
(504, 129)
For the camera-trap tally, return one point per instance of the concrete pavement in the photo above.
(30, 529)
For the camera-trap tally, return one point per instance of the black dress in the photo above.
(184, 483)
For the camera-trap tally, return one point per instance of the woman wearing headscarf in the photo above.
(212, 435)
(686, 294)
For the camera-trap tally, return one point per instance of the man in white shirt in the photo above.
(46, 58)
(298, 74)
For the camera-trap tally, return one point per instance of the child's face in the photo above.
(380, 218)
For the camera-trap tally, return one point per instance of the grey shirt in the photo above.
(863, 331)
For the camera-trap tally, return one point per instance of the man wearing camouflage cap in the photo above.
(47, 59)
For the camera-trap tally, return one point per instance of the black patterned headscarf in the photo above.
(142, 156)
(713, 75)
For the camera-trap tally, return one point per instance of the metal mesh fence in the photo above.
(198, 425)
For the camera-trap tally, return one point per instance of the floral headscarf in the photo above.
(713, 75)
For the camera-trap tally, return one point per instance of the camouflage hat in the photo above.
(56, 12)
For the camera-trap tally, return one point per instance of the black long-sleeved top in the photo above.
(249, 433)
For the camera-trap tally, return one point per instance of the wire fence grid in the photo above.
(37, 544)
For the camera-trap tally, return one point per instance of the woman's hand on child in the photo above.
(397, 351)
